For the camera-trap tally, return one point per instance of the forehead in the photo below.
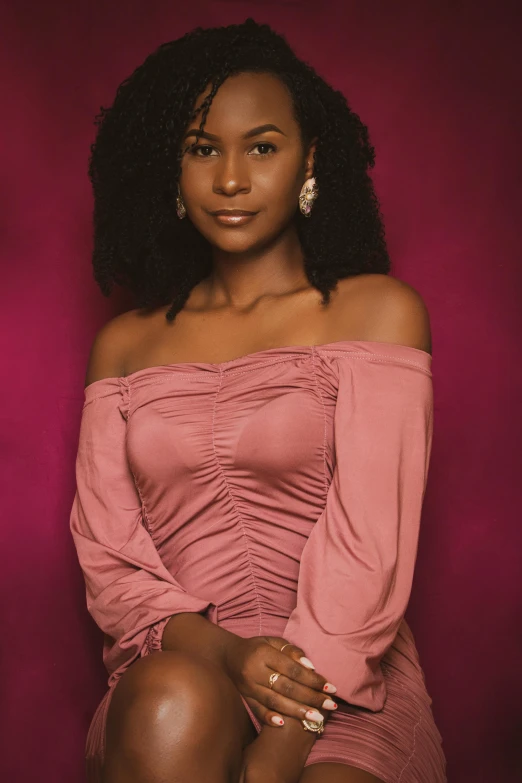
(245, 100)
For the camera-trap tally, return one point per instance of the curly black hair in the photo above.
(135, 163)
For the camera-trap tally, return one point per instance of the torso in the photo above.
(199, 335)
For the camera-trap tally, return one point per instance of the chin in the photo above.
(234, 244)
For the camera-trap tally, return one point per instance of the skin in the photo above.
(169, 706)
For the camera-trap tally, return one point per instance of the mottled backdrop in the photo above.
(438, 83)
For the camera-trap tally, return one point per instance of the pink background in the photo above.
(439, 86)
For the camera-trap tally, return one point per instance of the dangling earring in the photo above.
(181, 210)
(309, 193)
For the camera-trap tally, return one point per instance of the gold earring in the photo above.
(181, 209)
(309, 193)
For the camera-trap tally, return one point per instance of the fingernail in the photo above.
(329, 688)
(328, 704)
(314, 715)
(307, 663)
(277, 720)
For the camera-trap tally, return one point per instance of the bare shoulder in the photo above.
(394, 311)
(110, 347)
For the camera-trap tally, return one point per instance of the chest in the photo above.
(279, 427)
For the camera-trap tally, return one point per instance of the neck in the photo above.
(240, 280)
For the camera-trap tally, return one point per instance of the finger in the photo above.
(289, 649)
(303, 694)
(275, 641)
(263, 714)
(277, 704)
(295, 670)
(297, 654)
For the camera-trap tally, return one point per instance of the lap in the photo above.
(197, 687)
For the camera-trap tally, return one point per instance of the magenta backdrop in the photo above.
(438, 85)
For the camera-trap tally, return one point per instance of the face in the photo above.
(250, 158)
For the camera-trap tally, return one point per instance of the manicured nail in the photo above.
(329, 688)
(328, 704)
(307, 663)
(314, 715)
(277, 720)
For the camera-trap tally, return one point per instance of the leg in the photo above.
(327, 772)
(175, 719)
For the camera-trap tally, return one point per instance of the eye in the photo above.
(206, 150)
(195, 150)
(265, 144)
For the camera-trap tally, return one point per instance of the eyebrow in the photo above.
(254, 132)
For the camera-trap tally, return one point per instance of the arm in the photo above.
(357, 565)
(130, 593)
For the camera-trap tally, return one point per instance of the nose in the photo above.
(231, 175)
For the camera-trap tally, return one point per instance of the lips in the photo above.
(233, 217)
(232, 212)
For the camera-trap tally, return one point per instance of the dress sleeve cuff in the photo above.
(357, 676)
(154, 637)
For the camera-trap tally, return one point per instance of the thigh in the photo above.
(326, 772)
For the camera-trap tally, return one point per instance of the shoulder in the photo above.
(390, 310)
(110, 347)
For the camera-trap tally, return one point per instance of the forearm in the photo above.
(290, 739)
(192, 633)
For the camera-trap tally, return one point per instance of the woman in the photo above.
(256, 435)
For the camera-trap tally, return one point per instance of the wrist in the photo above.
(291, 740)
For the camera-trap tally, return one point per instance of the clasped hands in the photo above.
(299, 692)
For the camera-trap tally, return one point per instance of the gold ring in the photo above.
(273, 678)
(314, 725)
(285, 645)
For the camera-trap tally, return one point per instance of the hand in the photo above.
(298, 693)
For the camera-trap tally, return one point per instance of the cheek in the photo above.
(278, 176)
(282, 195)
(196, 181)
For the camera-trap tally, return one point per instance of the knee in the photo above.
(172, 692)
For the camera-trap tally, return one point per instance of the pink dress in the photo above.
(277, 493)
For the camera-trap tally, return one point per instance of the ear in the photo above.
(309, 159)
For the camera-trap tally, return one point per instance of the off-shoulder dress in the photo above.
(277, 493)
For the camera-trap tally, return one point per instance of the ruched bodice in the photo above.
(233, 465)
(276, 493)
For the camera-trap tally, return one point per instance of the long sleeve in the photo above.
(357, 566)
(130, 593)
